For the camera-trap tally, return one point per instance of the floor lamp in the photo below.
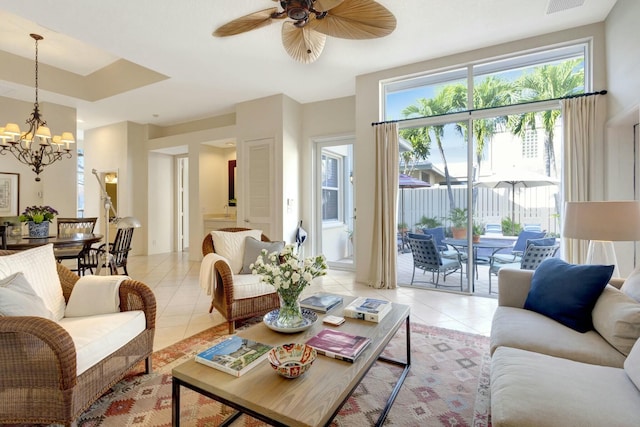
(602, 223)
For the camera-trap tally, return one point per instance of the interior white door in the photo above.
(259, 187)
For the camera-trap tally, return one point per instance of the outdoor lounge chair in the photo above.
(426, 257)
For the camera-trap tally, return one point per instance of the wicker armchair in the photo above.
(38, 381)
(222, 298)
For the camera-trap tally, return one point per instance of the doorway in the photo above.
(334, 215)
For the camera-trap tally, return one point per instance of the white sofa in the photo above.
(546, 374)
(65, 340)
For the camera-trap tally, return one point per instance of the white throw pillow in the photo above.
(93, 295)
(230, 244)
(17, 298)
(631, 285)
(616, 317)
(40, 269)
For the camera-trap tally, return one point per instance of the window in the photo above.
(530, 145)
(331, 187)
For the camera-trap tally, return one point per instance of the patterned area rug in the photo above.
(448, 377)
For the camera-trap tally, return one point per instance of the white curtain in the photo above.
(384, 250)
(582, 132)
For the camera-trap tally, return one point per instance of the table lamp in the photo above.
(602, 223)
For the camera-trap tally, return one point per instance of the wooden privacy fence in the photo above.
(537, 205)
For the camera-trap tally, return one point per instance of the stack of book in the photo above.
(234, 355)
(321, 302)
(370, 309)
(338, 344)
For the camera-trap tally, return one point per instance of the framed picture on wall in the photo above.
(9, 194)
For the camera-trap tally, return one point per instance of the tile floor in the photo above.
(183, 306)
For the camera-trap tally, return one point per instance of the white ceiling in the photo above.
(208, 75)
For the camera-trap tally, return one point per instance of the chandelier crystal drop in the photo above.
(35, 147)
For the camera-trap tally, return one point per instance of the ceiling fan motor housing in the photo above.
(297, 10)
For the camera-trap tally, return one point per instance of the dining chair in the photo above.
(69, 226)
(518, 247)
(426, 257)
(530, 260)
(118, 251)
(3, 236)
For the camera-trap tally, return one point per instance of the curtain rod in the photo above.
(579, 95)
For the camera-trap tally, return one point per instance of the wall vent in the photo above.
(560, 5)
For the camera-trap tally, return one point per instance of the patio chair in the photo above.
(426, 257)
(530, 260)
(492, 228)
(437, 234)
(518, 248)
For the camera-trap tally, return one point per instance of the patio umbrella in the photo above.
(515, 178)
(407, 181)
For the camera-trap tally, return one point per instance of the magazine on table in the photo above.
(338, 344)
(321, 302)
(234, 355)
(371, 309)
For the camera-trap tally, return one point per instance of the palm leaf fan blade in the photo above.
(246, 23)
(302, 44)
(356, 19)
(324, 5)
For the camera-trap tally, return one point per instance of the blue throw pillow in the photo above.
(566, 292)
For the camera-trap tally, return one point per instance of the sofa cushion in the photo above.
(528, 330)
(253, 248)
(249, 286)
(231, 246)
(632, 364)
(547, 241)
(17, 298)
(96, 337)
(531, 389)
(616, 317)
(567, 292)
(40, 269)
(631, 285)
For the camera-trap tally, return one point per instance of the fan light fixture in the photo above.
(35, 147)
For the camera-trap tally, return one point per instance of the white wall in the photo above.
(623, 83)
(161, 202)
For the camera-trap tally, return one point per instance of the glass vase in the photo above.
(290, 314)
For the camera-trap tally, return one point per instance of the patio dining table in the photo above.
(492, 244)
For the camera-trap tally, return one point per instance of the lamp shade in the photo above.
(612, 221)
(129, 222)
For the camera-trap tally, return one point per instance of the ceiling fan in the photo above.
(311, 21)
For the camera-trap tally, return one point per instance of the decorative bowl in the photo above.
(292, 360)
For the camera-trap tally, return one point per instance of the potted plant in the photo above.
(510, 228)
(426, 222)
(38, 218)
(458, 218)
(478, 229)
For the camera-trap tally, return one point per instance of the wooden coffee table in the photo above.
(310, 400)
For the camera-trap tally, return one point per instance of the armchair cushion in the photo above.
(231, 246)
(567, 292)
(250, 286)
(253, 248)
(39, 267)
(94, 295)
(96, 337)
(17, 298)
(632, 364)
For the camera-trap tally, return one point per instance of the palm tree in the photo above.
(421, 138)
(547, 82)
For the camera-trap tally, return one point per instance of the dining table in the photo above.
(494, 245)
(20, 243)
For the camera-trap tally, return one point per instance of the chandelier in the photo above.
(35, 146)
